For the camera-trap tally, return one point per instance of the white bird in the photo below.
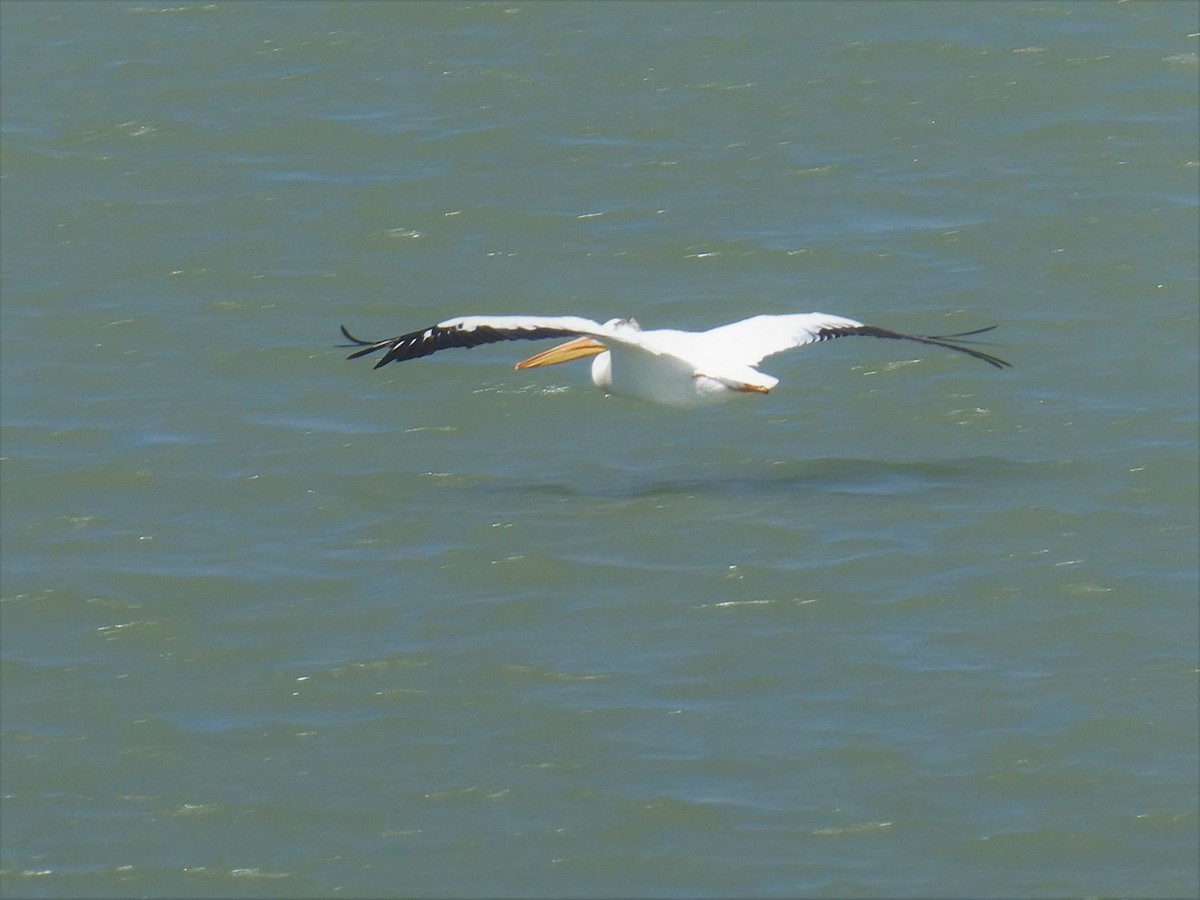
(675, 368)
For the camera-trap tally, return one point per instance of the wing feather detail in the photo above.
(752, 340)
(947, 341)
(472, 331)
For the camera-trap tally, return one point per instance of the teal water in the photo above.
(276, 624)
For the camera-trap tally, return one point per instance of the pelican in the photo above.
(674, 368)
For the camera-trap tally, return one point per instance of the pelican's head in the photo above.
(630, 323)
(580, 348)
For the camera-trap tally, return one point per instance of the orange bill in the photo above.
(571, 350)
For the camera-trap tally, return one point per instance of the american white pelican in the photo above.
(676, 368)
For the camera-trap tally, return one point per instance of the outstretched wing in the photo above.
(471, 331)
(752, 340)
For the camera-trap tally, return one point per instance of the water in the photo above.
(276, 624)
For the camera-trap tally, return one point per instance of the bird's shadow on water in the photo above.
(775, 477)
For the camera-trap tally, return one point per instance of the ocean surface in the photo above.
(276, 624)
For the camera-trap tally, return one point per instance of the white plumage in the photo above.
(675, 368)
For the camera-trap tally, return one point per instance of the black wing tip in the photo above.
(957, 342)
(351, 338)
(988, 358)
(366, 347)
(948, 341)
(963, 334)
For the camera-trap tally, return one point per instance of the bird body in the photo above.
(666, 366)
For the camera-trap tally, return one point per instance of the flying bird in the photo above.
(674, 368)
